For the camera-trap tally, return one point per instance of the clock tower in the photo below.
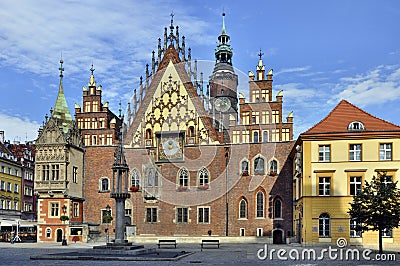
(223, 82)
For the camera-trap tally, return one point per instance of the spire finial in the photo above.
(260, 54)
(223, 21)
(61, 68)
(172, 19)
(92, 69)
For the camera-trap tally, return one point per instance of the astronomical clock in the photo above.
(170, 146)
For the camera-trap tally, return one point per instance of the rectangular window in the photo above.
(324, 186)
(16, 205)
(16, 188)
(256, 136)
(101, 139)
(265, 95)
(87, 140)
(75, 174)
(95, 106)
(2, 185)
(45, 172)
(203, 215)
(109, 139)
(55, 172)
(54, 209)
(28, 191)
(355, 228)
(102, 123)
(355, 152)
(80, 124)
(151, 215)
(28, 207)
(256, 96)
(182, 215)
(255, 118)
(325, 153)
(76, 209)
(275, 117)
(9, 185)
(265, 117)
(87, 106)
(387, 179)
(236, 136)
(105, 216)
(275, 135)
(385, 151)
(87, 123)
(285, 134)
(245, 118)
(246, 136)
(94, 123)
(355, 185)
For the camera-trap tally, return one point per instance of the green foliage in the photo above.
(107, 219)
(377, 206)
(64, 218)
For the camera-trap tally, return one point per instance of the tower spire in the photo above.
(223, 52)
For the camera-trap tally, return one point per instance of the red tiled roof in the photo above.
(343, 114)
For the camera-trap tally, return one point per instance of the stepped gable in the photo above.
(338, 120)
(171, 55)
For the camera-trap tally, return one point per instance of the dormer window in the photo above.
(356, 125)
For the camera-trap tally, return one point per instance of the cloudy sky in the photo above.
(321, 52)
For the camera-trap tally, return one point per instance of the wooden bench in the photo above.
(166, 242)
(210, 242)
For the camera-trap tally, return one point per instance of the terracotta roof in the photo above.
(338, 120)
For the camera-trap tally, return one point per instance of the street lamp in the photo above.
(108, 213)
(64, 218)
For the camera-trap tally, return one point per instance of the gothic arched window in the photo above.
(277, 208)
(260, 204)
(243, 209)
(259, 165)
(245, 167)
(204, 177)
(273, 166)
(183, 177)
(135, 178)
(104, 184)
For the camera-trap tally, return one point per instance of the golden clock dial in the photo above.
(170, 147)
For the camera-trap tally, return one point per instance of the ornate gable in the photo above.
(51, 133)
(170, 105)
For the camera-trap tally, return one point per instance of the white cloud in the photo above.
(379, 85)
(18, 129)
(293, 69)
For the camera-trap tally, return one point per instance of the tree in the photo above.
(376, 207)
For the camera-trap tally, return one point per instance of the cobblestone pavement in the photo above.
(227, 254)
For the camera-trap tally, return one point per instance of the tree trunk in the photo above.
(380, 240)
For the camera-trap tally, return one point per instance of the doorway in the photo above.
(277, 236)
(59, 235)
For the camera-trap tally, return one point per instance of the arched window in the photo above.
(191, 131)
(104, 184)
(259, 166)
(277, 208)
(324, 222)
(260, 204)
(265, 136)
(150, 178)
(135, 178)
(356, 125)
(183, 176)
(243, 209)
(245, 167)
(255, 137)
(148, 137)
(155, 178)
(203, 177)
(273, 166)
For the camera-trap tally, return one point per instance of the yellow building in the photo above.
(10, 188)
(332, 160)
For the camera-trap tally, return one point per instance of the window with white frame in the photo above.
(255, 136)
(265, 137)
(355, 228)
(260, 204)
(355, 152)
(74, 174)
(16, 187)
(387, 233)
(203, 214)
(48, 232)
(324, 223)
(243, 209)
(273, 166)
(245, 167)
(104, 184)
(356, 125)
(75, 209)
(151, 214)
(182, 215)
(259, 165)
(203, 177)
(324, 186)
(355, 185)
(325, 153)
(386, 179)
(54, 209)
(385, 151)
(135, 178)
(183, 177)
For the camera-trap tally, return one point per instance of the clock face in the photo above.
(222, 104)
(170, 147)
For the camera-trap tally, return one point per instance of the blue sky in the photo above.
(321, 52)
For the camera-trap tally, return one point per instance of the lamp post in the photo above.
(108, 213)
(64, 209)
